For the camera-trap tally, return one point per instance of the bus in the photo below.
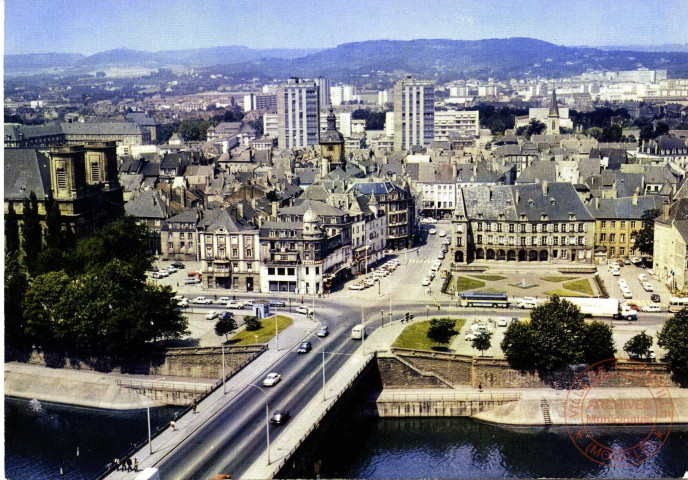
(473, 299)
(676, 304)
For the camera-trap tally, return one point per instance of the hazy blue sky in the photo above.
(90, 26)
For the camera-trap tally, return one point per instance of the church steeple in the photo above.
(553, 117)
(331, 146)
(554, 107)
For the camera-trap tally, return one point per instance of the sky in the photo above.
(91, 26)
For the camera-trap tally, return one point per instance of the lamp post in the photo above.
(267, 417)
(276, 334)
(150, 442)
(224, 385)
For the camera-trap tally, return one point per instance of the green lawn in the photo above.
(415, 336)
(489, 278)
(465, 283)
(492, 290)
(564, 293)
(582, 286)
(556, 279)
(265, 333)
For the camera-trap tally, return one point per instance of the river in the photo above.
(41, 437)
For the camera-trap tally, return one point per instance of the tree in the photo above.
(53, 224)
(32, 231)
(11, 230)
(594, 132)
(599, 343)
(645, 239)
(45, 319)
(639, 345)
(225, 326)
(611, 133)
(517, 345)
(646, 133)
(252, 323)
(672, 338)
(16, 284)
(661, 128)
(555, 337)
(257, 125)
(441, 330)
(482, 342)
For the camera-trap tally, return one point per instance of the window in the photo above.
(556, 241)
(181, 244)
(480, 227)
(479, 239)
(235, 239)
(613, 224)
(290, 271)
(623, 224)
(271, 270)
(235, 266)
(170, 245)
(622, 237)
(235, 252)
(603, 224)
(511, 228)
(556, 227)
(190, 244)
(61, 179)
(622, 251)
(603, 237)
(95, 172)
(249, 252)
(612, 237)
(280, 271)
(633, 224)
(612, 251)
(317, 270)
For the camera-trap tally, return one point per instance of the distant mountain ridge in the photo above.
(442, 59)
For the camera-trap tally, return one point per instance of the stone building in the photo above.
(670, 250)
(522, 223)
(230, 252)
(82, 179)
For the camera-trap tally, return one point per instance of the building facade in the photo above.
(414, 113)
(464, 122)
(522, 223)
(298, 112)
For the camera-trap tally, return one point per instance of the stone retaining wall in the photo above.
(417, 369)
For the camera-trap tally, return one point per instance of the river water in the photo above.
(413, 448)
(42, 437)
(40, 440)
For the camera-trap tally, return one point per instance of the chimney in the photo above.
(274, 209)
(253, 203)
(665, 209)
(597, 203)
(518, 197)
(545, 188)
(240, 211)
(635, 196)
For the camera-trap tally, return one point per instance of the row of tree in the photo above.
(89, 295)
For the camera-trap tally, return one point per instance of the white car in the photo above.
(222, 300)
(272, 379)
(648, 287)
(442, 233)
(501, 322)
(426, 281)
(235, 304)
(211, 315)
(357, 286)
(652, 308)
(616, 272)
(183, 303)
(479, 327)
(202, 300)
(527, 302)
(432, 231)
(305, 310)
(642, 278)
(635, 260)
(650, 272)
(171, 268)
(471, 336)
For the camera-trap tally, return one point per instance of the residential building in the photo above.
(670, 249)
(343, 122)
(324, 92)
(618, 221)
(662, 150)
(151, 210)
(298, 112)
(545, 222)
(270, 124)
(230, 252)
(414, 113)
(398, 205)
(464, 122)
(147, 123)
(179, 237)
(43, 136)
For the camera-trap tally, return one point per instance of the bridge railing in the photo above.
(165, 386)
(448, 397)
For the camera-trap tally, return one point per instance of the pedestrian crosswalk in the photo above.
(421, 260)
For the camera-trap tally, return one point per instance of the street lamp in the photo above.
(150, 442)
(224, 386)
(267, 417)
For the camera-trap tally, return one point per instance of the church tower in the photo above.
(331, 146)
(553, 116)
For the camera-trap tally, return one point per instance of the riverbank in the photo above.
(86, 388)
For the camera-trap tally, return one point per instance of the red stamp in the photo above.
(609, 393)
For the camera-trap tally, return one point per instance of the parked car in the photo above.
(616, 272)
(225, 315)
(652, 308)
(648, 287)
(183, 303)
(432, 231)
(651, 272)
(179, 265)
(426, 281)
(442, 233)
(357, 286)
(501, 322)
(635, 260)
(642, 278)
(202, 300)
(211, 315)
(627, 261)
(272, 379)
(277, 303)
(655, 298)
(280, 417)
(235, 304)
(305, 310)
(192, 281)
(222, 300)
(305, 347)
(322, 331)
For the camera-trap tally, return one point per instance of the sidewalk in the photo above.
(168, 440)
